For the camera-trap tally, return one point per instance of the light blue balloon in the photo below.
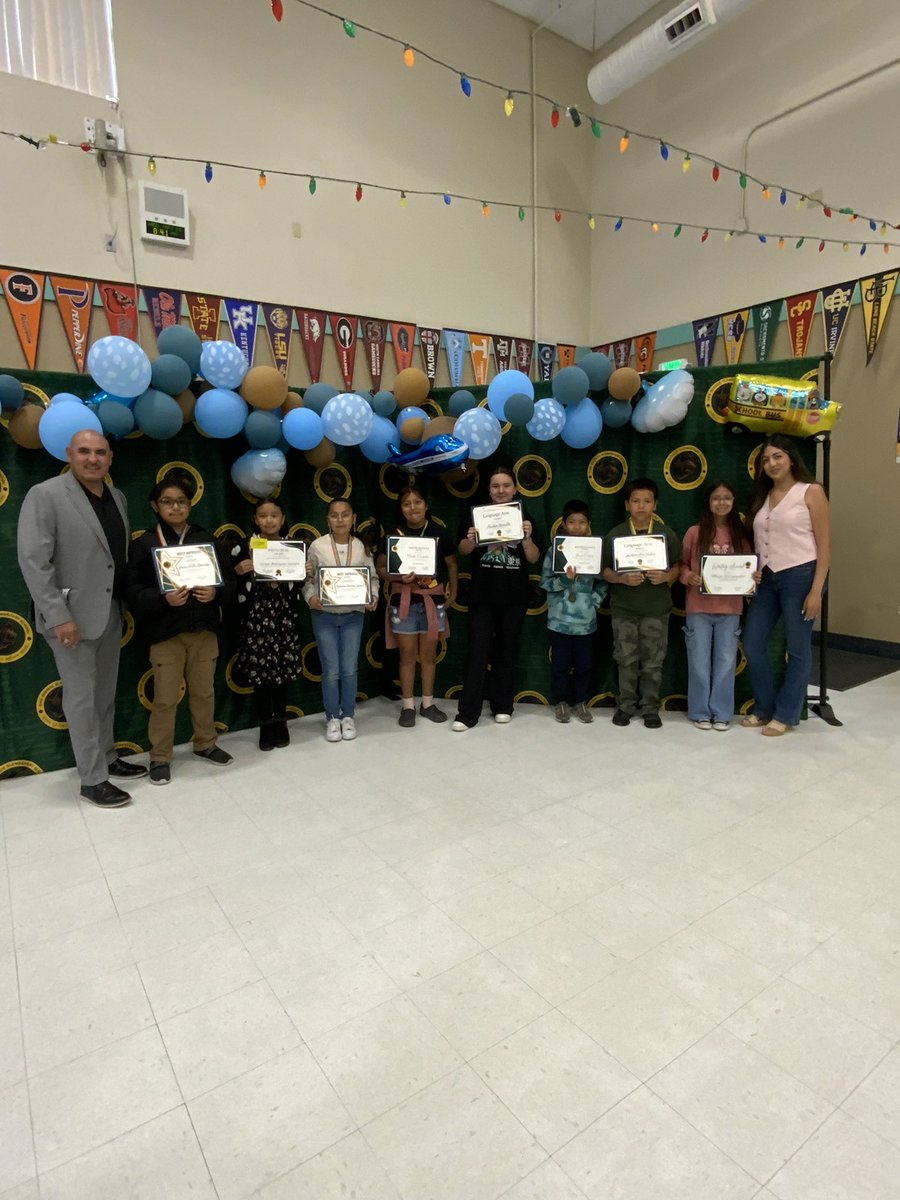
(347, 419)
(119, 366)
(570, 385)
(548, 420)
(220, 412)
(117, 419)
(66, 398)
(11, 392)
(60, 422)
(223, 364)
(507, 383)
(183, 342)
(411, 412)
(598, 369)
(302, 428)
(170, 374)
(615, 413)
(377, 442)
(317, 396)
(384, 404)
(259, 472)
(480, 430)
(157, 415)
(263, 429)
(583, 425)
(461, 402)
(128, 401)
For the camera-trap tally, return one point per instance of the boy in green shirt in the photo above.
(640, 603)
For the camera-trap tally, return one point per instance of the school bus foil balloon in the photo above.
(765, 404)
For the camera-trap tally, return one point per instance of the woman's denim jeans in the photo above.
(780, 594)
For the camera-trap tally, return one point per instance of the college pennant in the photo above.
(734, 330)
(504, 348)
(374, 337)
(312, 338)
(565, 355)
(603, 349)
(277, 320)
(403, 339)
(430, 344)
(876, 294)
(203, 314)
(766, 319)
(456, 343)
(800, 309)
(546, 357)
(836, 302)
(163, 306)
(74, 303)
(480, 350)
(706, 330)
(242, 316)
(343, 330)
(644, 345)
(119, 302)
(524, 355)
(621, 353)
(25, 296)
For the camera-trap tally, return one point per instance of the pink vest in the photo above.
(784, 534)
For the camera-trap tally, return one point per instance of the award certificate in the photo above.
(582, 553)
(728, 574)
(641, 552)
(498, 523)
(411, 555)
(279, 561)
(186, 566)
(344, 585)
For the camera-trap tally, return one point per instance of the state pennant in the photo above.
(565, 354)
(24, 292)
(504, 348)
(312, 338)
(734, 330)
(766, 319)
(242, 315)
(344, 330)
(706, 330)
(164, 307)
(644, 345)
(374, 338)
(278, 319)
(836, 302)
(800, 309)
(74, 303)
(480, 350)
(119, 302)
(876, 294)
(621, 353)
(203, 314)
(524, 355)
(430, 344)
(403, 339)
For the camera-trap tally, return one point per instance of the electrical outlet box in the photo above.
(103, 136)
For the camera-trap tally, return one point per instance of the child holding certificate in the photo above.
(641, 560)
(340, 588)
(713, 621)
(175, 599)
(417, 612)
(572, 603)
(269, 652)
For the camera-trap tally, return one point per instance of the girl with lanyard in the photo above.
(181, 627)
(338, 628)
(417, 618)
(498, 601)
(269, 655)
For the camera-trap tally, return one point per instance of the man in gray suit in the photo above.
(73, 545)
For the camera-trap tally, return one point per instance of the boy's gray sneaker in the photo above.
(562, 713)
(584, 714)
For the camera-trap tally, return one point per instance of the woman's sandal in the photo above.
(775, 729)
(753, 721)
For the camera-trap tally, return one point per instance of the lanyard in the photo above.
(649, 529)
(161, 537)
(337, 557)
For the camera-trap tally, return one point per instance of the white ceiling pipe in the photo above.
(658, 44)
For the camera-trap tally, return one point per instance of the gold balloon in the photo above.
(264, 387)
(294, 400)
(438, 426)
(624, 383)
(186, 401)
(412, 429)
(23, 426)
(411, 387)
(321, 455)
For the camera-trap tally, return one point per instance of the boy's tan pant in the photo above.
(188, 658)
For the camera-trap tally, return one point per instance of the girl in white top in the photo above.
(338, 628)
(789, 514)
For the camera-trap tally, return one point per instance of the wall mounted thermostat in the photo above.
(164, 214)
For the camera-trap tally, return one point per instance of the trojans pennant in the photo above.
(74, 302)
(343, 330)
(430, 343)
(644, 345)
(242, 316)
(25, 297)
(800, 309)
(119, 302)
(524, 355)
(163, 306)
(277, 319)
(546, 357)
(374, 338)
(480, 350)
(876, 294)
(455, 343)
(734, 330)
(403, 339)
(503, 351)
(836, 302)
(312, 339)
(565, 354)
(203, 314)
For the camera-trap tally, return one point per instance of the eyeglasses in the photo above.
(167, 503)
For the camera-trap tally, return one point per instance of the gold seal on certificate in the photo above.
(186, 566)
(339, 586)
(278, 561)
(411, 555)
(728, 574)
(641, 552)
(582, 553)
(498, 522)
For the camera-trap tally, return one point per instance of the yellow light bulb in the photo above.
(408, 57)
(623, 143)
(781, 243)
(655, 227)
(151, 165)
(509, 104)
(800, 202)
(845, 247)
(403, 199)
(592, 224)
(485, 209)
(262, 179)
(686, 164)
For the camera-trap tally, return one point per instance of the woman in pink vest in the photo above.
(789, 515)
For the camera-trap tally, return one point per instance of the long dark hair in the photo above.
(763, 484)
(366, 536)
(270, 500)
(737, 534)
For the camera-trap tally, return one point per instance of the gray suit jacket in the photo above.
(64, 556)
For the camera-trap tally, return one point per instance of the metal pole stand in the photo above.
(821, 705)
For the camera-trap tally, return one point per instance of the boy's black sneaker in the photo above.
(215, 754)
(160, 773)
(621, 718)
(652, 721)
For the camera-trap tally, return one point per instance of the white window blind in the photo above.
(64, 42)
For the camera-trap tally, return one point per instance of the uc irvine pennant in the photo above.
(242, 316)
(278, 319)
(836, 302)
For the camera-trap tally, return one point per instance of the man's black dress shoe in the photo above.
(120, 769)
(105, 795)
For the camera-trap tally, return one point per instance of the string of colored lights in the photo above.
(578, 116)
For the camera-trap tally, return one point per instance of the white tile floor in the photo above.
(563, 962)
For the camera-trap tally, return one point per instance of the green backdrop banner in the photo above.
(682, 460)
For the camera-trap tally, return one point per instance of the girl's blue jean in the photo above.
(712, 643)
(338, 636)
(780, 594)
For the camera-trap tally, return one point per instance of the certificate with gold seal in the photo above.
(585, 554)
(281, 562)
(641, 552)
(186, 566)
(498, 522)
(339, 586)
(728, 574)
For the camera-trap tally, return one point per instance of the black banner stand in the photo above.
(821, 705)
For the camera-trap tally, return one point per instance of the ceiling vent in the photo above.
(686, 23)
